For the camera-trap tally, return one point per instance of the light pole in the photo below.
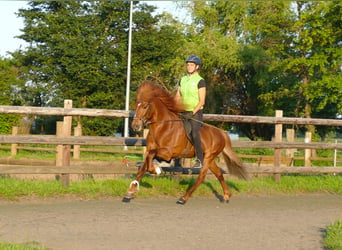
(126, 128)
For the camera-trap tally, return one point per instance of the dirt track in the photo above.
(274, 222)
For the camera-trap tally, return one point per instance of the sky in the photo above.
(10, 24)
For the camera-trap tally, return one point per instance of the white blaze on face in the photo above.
(138, 105)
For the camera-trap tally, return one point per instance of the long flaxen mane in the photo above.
(149, 90)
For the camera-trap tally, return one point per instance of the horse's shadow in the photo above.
(219, 196)
(145, 184)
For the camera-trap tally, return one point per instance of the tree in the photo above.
(219, 53)
(156, 41)
(283, 60)
(9, 85)
(258, 56)
(78, 51)
(239, 54)
(313, 60)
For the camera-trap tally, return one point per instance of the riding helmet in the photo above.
(194, 59)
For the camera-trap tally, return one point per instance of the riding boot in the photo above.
(197, 163)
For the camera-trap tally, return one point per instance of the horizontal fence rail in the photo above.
(65, 111)
(294, 170)
(207, 117)
(271, 120)
(25, 169)
(132, 141)
(48, 169)
(73, 140)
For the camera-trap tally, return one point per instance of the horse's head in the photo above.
(151, 97)
(142, 115)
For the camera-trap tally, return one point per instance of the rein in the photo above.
(149, 122)
(178, 120)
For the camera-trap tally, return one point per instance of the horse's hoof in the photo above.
(181, 201)
(224, 201)
(126, 199)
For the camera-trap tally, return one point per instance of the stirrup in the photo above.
(197, 164)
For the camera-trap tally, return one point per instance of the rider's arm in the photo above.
(201, 94)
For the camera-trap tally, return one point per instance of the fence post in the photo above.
(14, 146)
(59, 148)
(290, 138)
(67, 121)
(77, 132)
(307, 152)
(278, 138)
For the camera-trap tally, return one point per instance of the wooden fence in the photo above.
(64, 139)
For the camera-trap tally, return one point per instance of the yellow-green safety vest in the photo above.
(189, 90)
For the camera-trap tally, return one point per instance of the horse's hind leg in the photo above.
(218, 173)
(198, 182)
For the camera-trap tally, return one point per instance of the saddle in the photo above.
(186, 124)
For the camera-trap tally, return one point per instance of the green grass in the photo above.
(12, 189)
(333, 236)
(25, 246)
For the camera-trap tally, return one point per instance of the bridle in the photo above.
(146, 121)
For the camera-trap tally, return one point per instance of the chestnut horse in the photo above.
(167, 139)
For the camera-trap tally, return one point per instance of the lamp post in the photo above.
(128, 81)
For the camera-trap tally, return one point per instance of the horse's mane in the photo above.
(149, 90)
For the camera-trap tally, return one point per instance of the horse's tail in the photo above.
(232, 161)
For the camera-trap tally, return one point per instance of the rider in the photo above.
(192, 92)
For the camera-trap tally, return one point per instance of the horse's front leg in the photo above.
(134, 186)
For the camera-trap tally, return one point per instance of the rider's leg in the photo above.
(196, 124)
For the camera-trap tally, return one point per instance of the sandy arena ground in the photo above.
(266, 222)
